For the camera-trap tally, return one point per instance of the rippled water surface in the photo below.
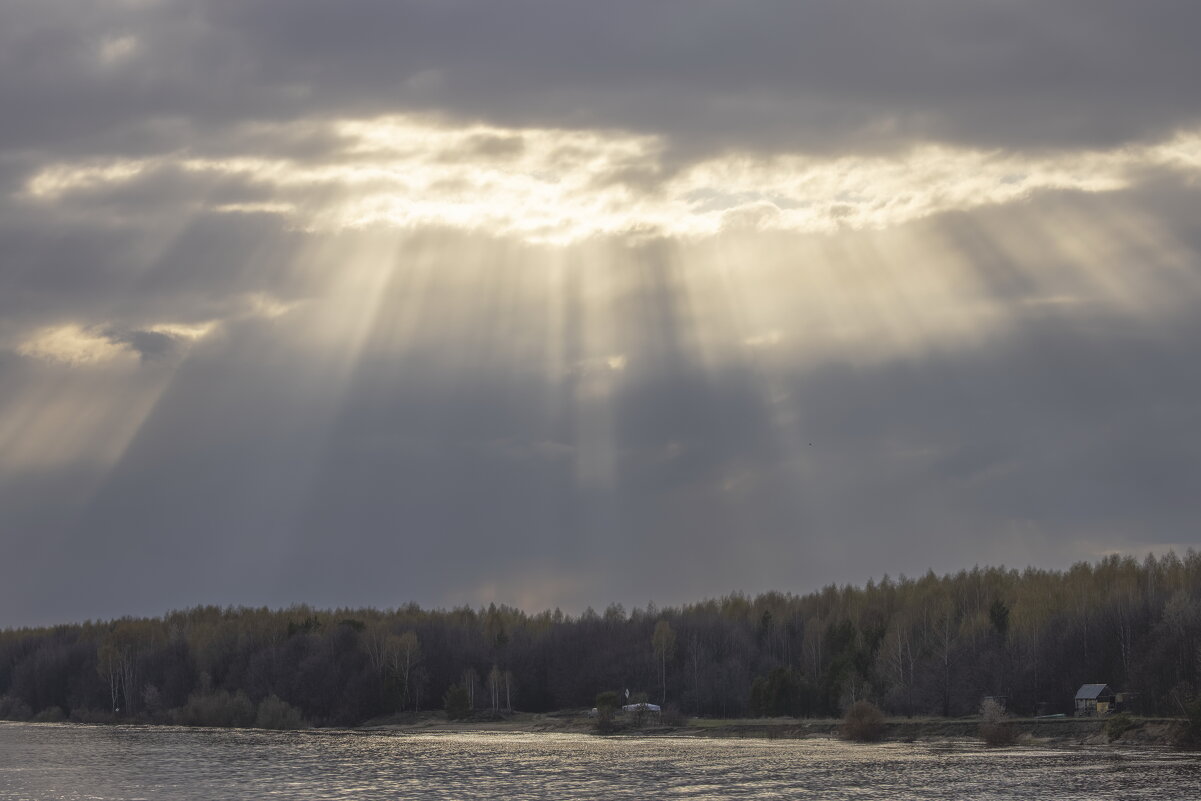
(130, 762)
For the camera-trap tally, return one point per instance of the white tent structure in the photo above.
(641, 708)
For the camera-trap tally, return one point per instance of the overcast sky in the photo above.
(561, 303)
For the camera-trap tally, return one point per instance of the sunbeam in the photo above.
(357, 332)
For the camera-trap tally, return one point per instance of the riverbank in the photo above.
(1051, 732)
(1030, 731)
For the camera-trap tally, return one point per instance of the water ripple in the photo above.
(55, 762)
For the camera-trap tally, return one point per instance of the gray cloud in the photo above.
(204, 399)
(424, 473)
(247, 485)
(807, 76)
(150, 345)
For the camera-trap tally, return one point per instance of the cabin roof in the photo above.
(1092, 691)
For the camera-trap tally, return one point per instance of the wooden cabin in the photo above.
(1094, 699)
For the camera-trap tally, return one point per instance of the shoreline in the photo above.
(1147, 733)
(1055, 732)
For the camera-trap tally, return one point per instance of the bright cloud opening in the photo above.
(561, 186)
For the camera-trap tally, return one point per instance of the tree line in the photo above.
(913, 646)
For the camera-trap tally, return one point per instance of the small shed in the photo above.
(1094, 699)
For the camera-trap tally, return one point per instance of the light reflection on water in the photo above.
(67, 762)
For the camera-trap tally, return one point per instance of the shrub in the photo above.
(456, 703)
(864, 723)
(1118, 725)
(672, 716)
(51, 714)
(275, 713)
(1188, 731)
(998, 734)
(608, 700)
(83, 714)
(14, 709)
(606, 720)
(639, 714)
(220, 708)
(995, 728)
(607, 704)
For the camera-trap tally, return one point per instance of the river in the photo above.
(53, 762)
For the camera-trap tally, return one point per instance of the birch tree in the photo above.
(664, 643)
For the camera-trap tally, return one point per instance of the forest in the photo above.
(934, 645)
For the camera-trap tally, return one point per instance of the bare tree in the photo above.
(664, 643)
(407, 653)
(694, 661)
(470, 678)
(494, 681)
(108, 665)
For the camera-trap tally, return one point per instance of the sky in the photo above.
(560, 304)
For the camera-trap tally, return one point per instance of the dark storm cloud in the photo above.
(827, 75)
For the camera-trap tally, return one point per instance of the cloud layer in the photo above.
(553, 305)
